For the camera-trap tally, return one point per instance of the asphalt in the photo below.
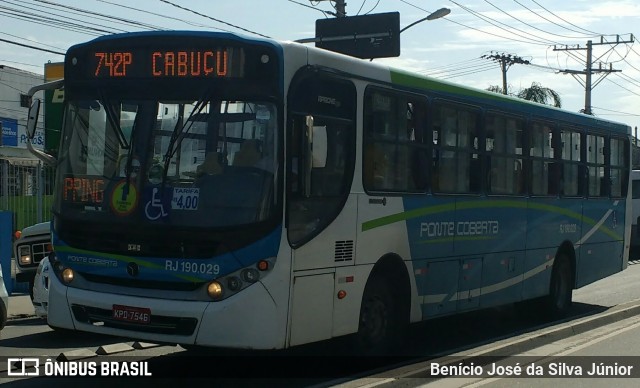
(20, 307)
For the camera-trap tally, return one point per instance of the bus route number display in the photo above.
(206, 63)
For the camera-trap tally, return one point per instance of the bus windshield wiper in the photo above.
(180, 130)
(134, 126)
(114, 120)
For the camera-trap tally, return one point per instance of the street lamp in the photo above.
(442, 12)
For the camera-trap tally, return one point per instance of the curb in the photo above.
(506, 347)
(545, 336)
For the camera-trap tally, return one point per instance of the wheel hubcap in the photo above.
(374, 319)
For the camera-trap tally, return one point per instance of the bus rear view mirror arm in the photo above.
(32, 119)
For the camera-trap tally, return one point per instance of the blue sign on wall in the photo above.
(9, 132)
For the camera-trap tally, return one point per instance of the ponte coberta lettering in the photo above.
(460, 228)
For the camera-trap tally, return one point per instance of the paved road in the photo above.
(442, 336)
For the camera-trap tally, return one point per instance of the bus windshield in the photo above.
(198, 163)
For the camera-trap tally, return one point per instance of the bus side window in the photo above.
(555, 178)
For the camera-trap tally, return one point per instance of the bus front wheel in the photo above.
(558, 301)
(378, 319)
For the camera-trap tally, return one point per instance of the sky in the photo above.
(450, 48)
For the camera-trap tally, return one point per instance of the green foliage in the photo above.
(536, 93)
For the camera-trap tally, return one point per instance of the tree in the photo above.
(538, 93)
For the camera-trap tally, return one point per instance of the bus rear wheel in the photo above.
(378, 323)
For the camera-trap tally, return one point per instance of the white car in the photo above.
(4, 301)
(41, 289)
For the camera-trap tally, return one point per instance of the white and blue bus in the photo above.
(225, 191)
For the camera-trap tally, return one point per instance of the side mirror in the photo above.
(32, 118)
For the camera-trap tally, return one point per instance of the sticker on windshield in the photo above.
(155, 206)
(124, 198)
(185, 198)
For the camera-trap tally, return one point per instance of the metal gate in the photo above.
(26, 190)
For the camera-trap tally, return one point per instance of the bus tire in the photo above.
(558, 302)
(379, 319)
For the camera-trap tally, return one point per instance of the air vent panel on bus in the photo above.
(344, 251)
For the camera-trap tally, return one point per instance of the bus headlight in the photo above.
(215, 291)
(62, 272)
(237, 281)
(67, 275)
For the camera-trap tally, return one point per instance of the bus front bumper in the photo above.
(247, 320)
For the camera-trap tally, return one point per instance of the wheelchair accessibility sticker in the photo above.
(124, 198)
(157, 203)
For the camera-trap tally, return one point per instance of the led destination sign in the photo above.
(178, 63)
(83, 189)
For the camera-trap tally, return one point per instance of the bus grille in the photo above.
(139, 283)
(159, 324)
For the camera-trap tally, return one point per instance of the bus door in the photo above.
(321, 213)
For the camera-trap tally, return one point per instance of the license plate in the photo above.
(131, 314)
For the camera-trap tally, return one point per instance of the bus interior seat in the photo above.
(210, 166)
(248, 154)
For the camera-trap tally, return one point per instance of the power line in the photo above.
(31, 47)
(63, 23)
(30, 40)
(454, 70)
(372, 9)
(113, 19)
(214, 19)
(361, 5)
(473, 28)
(527, 24)
(20, 63)
(451, 65)
(617, 112)
(493, 22)
(191, 23)
(64, 18)
(552, 22)
(470, 72)
(564, 20)
(312, 7)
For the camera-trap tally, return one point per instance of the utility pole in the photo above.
(589, 70)
(340, 8)
(505, 61)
